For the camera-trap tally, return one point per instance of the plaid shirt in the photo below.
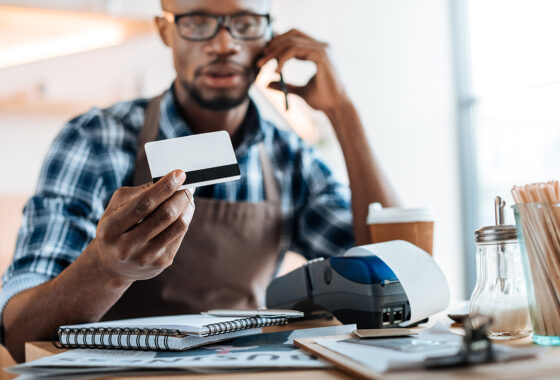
(95, 154)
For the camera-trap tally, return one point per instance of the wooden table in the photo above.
(546, 365)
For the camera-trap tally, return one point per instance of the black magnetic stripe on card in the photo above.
(210, 174)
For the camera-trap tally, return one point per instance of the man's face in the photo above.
(216, 73)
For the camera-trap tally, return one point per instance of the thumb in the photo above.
(292, 89)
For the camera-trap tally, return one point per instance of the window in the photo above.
(511, 104)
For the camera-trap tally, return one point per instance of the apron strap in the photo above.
(149, 132)
(272, 192)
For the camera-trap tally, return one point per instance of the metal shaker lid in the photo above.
(495, 234)
(500, 232)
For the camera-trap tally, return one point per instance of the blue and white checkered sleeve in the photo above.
(323, 219)
(60, 219)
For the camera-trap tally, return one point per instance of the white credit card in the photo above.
(206, 158)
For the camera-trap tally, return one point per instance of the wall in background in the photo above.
(36, 99)
(394, 57)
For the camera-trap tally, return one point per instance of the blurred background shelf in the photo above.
(31, 34)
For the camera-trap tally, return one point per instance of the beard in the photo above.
(219, 102)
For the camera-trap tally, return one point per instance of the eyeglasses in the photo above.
(199, 26)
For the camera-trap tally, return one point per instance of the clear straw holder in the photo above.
(538, 232)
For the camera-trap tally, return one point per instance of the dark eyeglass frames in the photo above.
(198, 26)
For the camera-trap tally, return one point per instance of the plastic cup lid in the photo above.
(379, 215)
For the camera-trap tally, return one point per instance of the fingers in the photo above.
(314, 54)
(162, 217)
(124, 194)
(149, 264)
(289, 37)
(304, 51)
(168, 241)
(144, 203)
(292, 89)
(293, 44)
(167, 255)
(135, 190)
(191, 190)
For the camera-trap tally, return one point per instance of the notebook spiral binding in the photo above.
(104, 337)
(242, 324)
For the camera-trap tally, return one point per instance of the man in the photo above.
(98, 234)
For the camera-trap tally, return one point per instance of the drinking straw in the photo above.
(554, 217)
(545, 256)
(535, 246)
(521, 197)
(540, 222)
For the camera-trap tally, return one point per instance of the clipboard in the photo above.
(544, 365)
(341, 362)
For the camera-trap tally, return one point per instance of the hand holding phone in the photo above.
(324, 91)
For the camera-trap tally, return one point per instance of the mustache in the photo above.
(220, 61)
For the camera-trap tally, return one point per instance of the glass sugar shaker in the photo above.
(500, 284)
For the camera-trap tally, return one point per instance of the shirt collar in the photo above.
(173, 125)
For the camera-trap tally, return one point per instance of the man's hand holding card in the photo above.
(143, 226)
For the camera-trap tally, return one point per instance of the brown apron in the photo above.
(228, 255)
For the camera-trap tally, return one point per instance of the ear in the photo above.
(162, 26)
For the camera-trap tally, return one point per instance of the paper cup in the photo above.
(415, 225)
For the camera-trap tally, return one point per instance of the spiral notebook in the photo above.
(169, 333)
